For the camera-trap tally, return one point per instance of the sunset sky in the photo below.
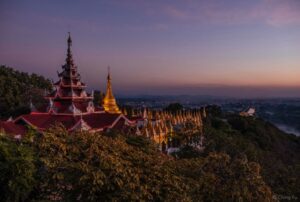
(211, 47)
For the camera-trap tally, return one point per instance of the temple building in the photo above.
(250, 111)
(70, 105)
(161, 126)
(109, 101)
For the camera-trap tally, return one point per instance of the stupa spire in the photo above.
(109, 101)
(69, 59)
(108, 73)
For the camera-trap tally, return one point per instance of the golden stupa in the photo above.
(109, 101)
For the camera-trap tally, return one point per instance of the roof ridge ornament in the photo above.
(74, 109)
(81, 125)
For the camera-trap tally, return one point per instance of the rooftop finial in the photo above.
(69, 40)
(108, 72)
(69, 59)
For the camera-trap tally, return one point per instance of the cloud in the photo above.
(279, 13)
(270, 12)
(175, 12)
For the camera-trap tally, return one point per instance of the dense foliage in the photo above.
(106, 167)
(17, 170)
(17, 89)
(259, 141)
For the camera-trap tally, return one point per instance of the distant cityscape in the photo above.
(282, 112)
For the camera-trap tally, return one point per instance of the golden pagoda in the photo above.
(109, 101)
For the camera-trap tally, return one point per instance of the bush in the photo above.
(17, 170)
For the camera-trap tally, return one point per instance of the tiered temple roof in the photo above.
(69, 95)
(70, 105)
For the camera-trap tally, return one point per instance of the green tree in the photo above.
(94, 167)
(17, 89)
(17, 169)
(217, 177)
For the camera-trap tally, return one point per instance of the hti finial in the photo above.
(69, 59)
(69, 39)
(108, 72)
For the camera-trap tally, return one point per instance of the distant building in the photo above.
(161, 126)
(248, 112)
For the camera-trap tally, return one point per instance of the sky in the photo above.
(160, 47)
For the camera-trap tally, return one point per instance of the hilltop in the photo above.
(18, 89)
(260, 141)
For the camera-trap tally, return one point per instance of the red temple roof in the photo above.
(97, 121)
(9, 127)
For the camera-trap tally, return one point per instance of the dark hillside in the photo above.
(17, 89)
(260, 141)
(111, 167)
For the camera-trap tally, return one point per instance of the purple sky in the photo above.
(215, 47)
